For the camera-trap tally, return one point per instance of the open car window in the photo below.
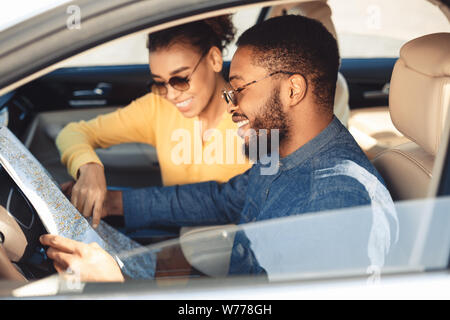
(362, 242)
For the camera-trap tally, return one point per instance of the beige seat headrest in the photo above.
(420, 89)
(429, 54)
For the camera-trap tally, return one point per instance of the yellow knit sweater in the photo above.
(183, 156)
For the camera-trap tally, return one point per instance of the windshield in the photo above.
(13, 12)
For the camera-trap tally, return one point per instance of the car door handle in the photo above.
(378, 94)
(102, 90)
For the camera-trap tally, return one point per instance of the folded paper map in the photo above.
(60, 217)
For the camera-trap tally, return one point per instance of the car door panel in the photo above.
(88, 87)
(368, 80)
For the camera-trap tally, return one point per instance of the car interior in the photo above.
(395, 109)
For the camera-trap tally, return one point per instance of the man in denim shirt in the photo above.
(283, 79)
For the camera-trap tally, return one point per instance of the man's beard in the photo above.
(271, 118)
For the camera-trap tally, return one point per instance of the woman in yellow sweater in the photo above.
(184, 117)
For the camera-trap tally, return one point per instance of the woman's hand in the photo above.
(89, 192)
(67, 187)
(87, 261)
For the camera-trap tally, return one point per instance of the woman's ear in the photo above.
(214, 58)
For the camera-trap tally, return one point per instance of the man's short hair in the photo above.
(297, 44)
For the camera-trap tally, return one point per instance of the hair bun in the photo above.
(223, 27)
(204, 34)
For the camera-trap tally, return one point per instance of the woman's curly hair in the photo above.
(203, 34)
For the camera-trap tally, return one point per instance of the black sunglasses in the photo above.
(178, 83)
(230, 96)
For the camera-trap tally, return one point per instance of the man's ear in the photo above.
(214, 58)
(297, 89)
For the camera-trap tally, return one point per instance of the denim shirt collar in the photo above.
(312, 147)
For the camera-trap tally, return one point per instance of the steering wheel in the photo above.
(22, 256)
(12, 246)
(7, 269)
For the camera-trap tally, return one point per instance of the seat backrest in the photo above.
(419, 100)
(341, 107)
